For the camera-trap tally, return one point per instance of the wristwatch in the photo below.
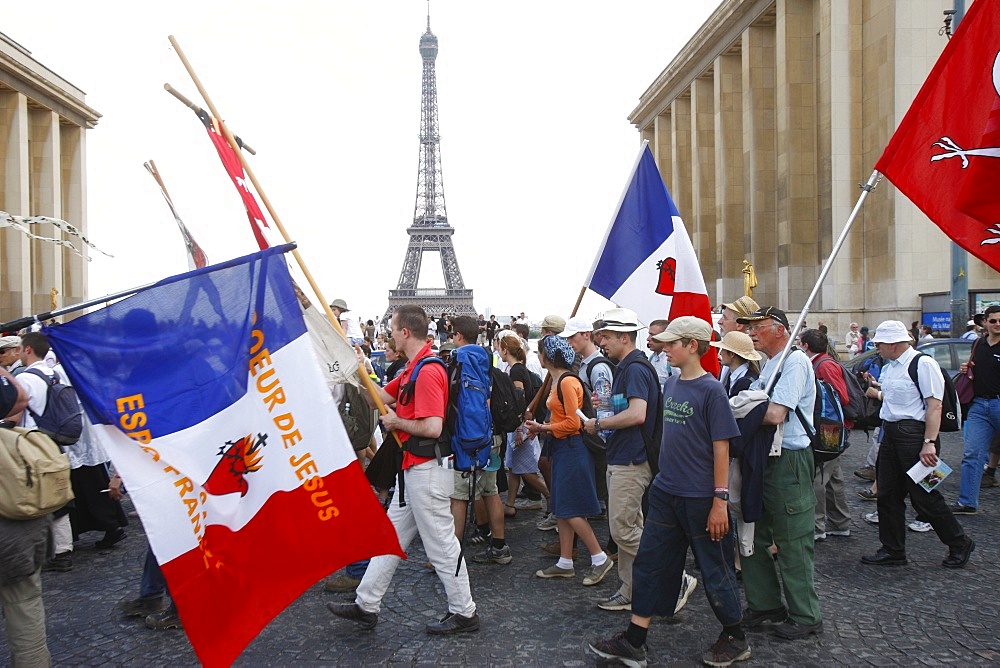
(928, 440)
(722, 495)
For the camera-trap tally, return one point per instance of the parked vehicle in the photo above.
(949, 353)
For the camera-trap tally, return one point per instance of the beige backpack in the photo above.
(34, 475)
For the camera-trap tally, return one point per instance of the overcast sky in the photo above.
(533, 100)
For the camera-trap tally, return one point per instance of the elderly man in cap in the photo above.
(911, 418)
(789, 499)
(635, 393)
(10, 352)
(348, 322)
(740, 308)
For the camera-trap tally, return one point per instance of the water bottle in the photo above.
(604, 409)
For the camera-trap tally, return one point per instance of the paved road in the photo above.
(917, 614)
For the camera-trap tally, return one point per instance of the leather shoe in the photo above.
(452, 623)
(960, 557)
(883, 558)
(366, 620)
(792, 630)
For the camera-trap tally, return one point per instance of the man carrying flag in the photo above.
(205, 391)
(420, 397)
(646, 261)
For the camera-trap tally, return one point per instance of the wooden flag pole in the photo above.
(198, 110)
(365, 378)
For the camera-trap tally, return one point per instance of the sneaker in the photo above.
(919, 527)
(554, 571)
(548, 523)
(792, 630)
(867, 495)
(619, 649)
(615, 602)
(60, 563)
(819, 537)
(553, 549)
(165, 619)
(597, 573)
(688, 585)
(342, 584)
(726, 651)
(140, 607)
(959, 509)
(111, 538)
(453, 623)
(866, 473)
(988, 481)
(480, 538)
(756, 619)
(366, 620)
(871, 518)
(843, 533)
(528, 504)
(494, 555)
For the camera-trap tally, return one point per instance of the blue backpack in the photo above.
(468, 425)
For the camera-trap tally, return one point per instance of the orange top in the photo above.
(563, 419)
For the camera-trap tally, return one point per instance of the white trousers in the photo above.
(62, 535)
(428, 489)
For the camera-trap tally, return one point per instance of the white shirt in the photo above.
(662, 366)
(351, 326)
(900, 400)
(37, 391)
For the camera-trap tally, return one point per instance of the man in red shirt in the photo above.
(416, 414)
(831, 504)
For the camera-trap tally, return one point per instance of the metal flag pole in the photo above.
(26, 321)
(369, 385)
(865, 190)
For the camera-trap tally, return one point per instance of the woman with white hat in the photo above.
(737, 353)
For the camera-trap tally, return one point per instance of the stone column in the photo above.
(74, 196)
(759, 162)
(799, 257)
(45, 177)
(729, 237)
(662, 147)
(15, 279)
(680, 170)
(701, 220)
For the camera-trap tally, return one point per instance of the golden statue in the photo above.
(749, 278)
(52, 297)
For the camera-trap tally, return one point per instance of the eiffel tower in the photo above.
(430, 230)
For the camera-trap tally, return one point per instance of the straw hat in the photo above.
(738, 343)
(743, 306)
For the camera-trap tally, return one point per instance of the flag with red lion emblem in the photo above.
(646, 261)
(945, 154)
(205, 391)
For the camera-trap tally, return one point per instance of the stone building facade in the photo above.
(43, 124)
(764, 125)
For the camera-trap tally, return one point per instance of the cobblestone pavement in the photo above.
(917, 614)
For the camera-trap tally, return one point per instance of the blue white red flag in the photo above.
(646, 261)
(205, 391)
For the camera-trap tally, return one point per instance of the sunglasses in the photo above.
(993, 321)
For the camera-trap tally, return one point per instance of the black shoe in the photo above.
(755, 619)
(167, 619)
(959, 509)
(60, 563)
(366, 620)
(141, 607)
(110, 539)
(960, 557)
(620, 649)
(883, 558)
(452, 623)
(792, 630)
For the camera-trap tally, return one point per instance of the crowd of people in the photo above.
(668, 455)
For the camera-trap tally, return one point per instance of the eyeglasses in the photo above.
(993, 321)
(758, 327)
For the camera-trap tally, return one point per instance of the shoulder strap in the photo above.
(406, 392)
(559, 393)
(50, 382)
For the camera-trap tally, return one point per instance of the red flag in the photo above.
(945, 155)
(234, 167)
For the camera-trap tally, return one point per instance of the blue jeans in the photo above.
(981, 425)
(674, 523)
(357, 569)
(153, 585)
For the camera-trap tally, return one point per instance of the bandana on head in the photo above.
(556, 345)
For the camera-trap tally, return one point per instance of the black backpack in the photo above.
(506, 403)
(62, 419)
(860, 409)
(951, 410)
(652, 440)
(594, 442)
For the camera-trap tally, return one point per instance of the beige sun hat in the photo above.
(743, 306)
(738, 343)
